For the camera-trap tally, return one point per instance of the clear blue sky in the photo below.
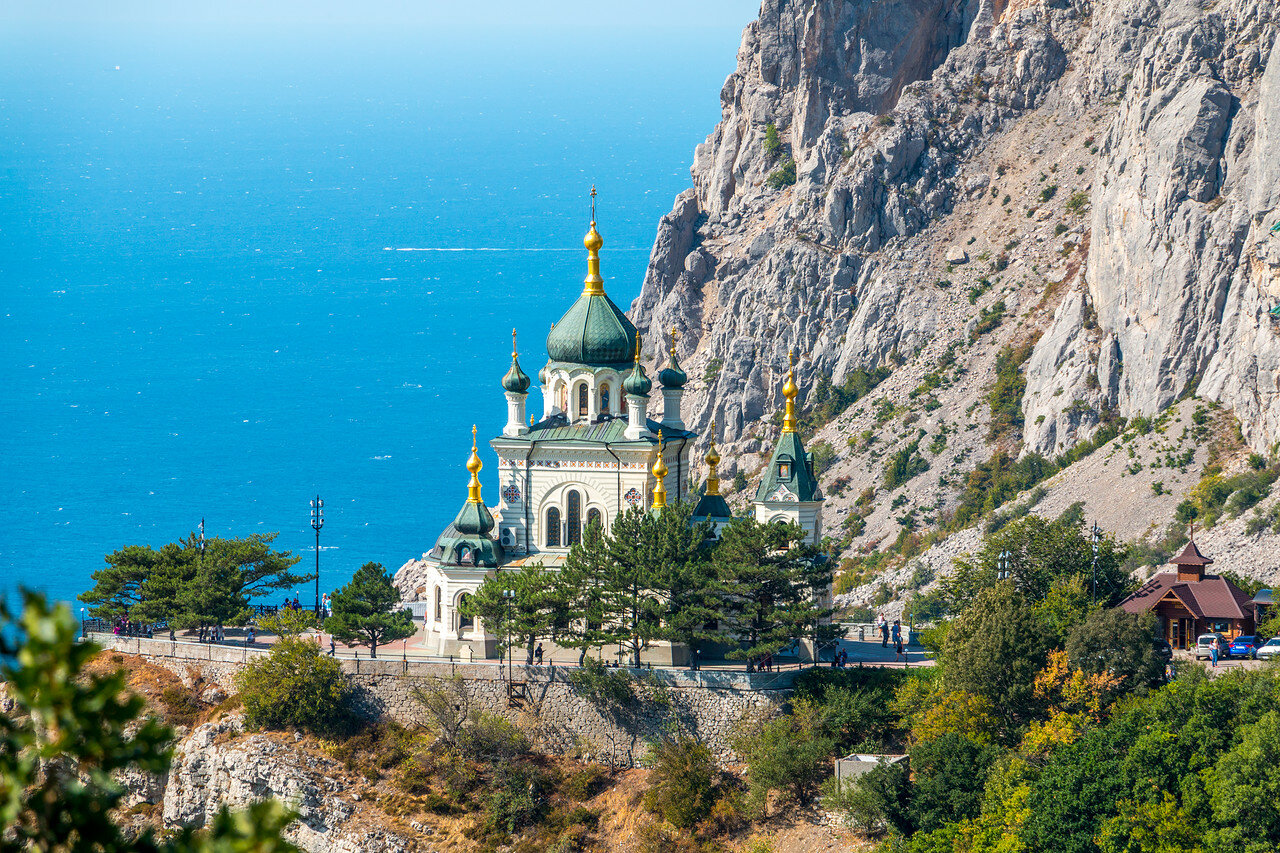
(399, 15)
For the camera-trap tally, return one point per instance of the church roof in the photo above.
(1191, 556)
(1215, 597)
(790, 451)
(593, 331)
(607, 431)
(712, 506)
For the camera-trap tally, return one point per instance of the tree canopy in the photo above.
(362, 611)
(188, 585)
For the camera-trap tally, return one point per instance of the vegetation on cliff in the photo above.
(67, 737)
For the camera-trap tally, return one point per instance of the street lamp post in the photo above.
(317, 521)
(1097, 537)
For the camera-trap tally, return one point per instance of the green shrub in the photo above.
(824, 456)
(586, 783)
(904, 465)
(787, 754)
(1077, 202)
(296, 686)
(607, 689)
(772, 144)
(1048, 192)
(1005, 397)
(682, 779)
(988, 320)
(783, 176)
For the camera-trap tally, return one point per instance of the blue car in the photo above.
(1245, 647)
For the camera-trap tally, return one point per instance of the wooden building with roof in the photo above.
(1188, 602)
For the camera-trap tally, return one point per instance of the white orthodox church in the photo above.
(593, 454)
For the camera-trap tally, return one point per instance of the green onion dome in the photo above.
(672, 376)
(593, 331)
(515, 380)
(636, 383)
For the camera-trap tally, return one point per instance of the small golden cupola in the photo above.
(712, 460)
(659, 474)
(712, 505)
(474, 465)
(790, 391)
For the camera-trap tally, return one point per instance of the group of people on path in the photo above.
(129, 628)
(899, 647)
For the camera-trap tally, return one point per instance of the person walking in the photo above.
(537, 654)
(884, 631)
(1213, 652)
(333, 649)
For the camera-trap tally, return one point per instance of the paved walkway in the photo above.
(860, 653)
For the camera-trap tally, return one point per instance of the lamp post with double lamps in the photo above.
(317, 521)
(1002, 565)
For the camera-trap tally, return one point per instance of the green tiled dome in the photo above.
(636, 382)
(672, 376)
(515, 381)
(593, 331)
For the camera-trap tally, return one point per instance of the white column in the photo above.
(671, 408)
(516, 424)
(637, 417)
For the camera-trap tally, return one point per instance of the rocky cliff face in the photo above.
(1099, 178)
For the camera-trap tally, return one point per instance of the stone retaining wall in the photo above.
(709, 704)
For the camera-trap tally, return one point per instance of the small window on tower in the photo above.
(784, 470)
(582, 400)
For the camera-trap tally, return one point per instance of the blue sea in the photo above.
(241, 267)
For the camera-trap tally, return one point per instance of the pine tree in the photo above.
(531, 614)
(362, 611)
(186, 585)
(70, 734)
(768, 583)
(581, 583)
(631, 612)
(681, 574)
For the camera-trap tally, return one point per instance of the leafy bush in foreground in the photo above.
(296, 686)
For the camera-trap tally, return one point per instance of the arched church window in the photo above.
(464, 555)
(438, 603)
(594, 517)
(582, 400)
(573, 527)
(553, 527)
(465, 622)
(604, 397)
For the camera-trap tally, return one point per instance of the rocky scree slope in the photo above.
(1088, 186)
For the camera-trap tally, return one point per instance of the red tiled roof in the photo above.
(1214, 597)
(1191, 556)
